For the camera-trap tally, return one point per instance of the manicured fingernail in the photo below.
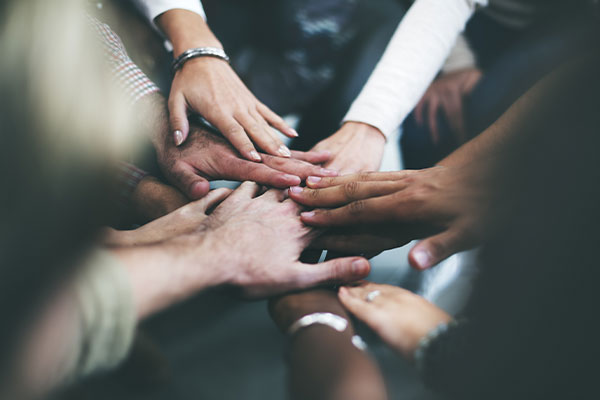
(328, 172)
(360, 268)
(423, 258)
(308, 214)
(296, 189)
(178, 136)
(284, 151)
(293, 132)
(255, 155)
(313, 179)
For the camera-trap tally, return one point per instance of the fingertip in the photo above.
(308, 216)
(199, 189)
(178, 137)
(420, 258)
(360, 268)
(254, 156)
(292, 180)
(313, 181)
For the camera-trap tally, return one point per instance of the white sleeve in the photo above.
(411, 61)
(461, 56)
(153, 8)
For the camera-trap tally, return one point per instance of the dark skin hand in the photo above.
(381, 210)
(324, 364)
(207, 156)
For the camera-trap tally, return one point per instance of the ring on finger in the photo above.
(372, 295)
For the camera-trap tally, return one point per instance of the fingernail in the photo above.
(422, 258)
(296, 189)
(313, 179)
(328, 172)
(178, 136)
(308, 214)
(284, 151)
(293, 132)
(293, 178)
(255, 155)
(359, 268)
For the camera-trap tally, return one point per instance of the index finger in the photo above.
(375, 210)
(336, 196)
(317, 182)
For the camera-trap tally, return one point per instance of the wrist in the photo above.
(360, 128)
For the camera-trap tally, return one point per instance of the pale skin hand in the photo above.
(448, 204)
(181, 221)
(400, 317)
(210, 87)
(356, 147)
(224, 250)
(448, 94)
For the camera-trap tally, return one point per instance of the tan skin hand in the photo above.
(448, 94)
(446, 205)
(356, 147)
(400, 317)
(210, 87)
(207, 156)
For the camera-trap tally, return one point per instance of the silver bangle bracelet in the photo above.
(198, 52)
(328, 319)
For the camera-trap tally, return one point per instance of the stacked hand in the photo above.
(207, 156)
(398, 316)
(381, 210)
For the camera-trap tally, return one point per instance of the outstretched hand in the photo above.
(207, 156)
(256, 239)
(446, 205)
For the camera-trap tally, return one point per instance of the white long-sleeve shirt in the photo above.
(153, 8)
(411, 61)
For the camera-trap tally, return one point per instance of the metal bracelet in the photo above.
(328, 319)
(198, 52)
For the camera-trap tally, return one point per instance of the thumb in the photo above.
(435, 249)
(193, 185)
(178, 119)
(211, 200)
(336, 271)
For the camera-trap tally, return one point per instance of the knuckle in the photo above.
(350, 189)
(232, 130)
(356, 207)
(364, 176)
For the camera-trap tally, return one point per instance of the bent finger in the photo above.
(257, 130)
(180, 126)
(237, 136)
(375, 210)
(276, 121)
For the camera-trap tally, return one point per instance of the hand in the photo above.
(257, 242)
(448, 204)
(356, 147)
(448, 93)
(207, 156)
(183, 220)
(398, 316)
(324, 364)
(211, 88)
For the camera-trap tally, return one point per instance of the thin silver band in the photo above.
(198, 52)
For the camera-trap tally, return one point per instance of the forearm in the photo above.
(504, 139)
(324, 364)
(160, 275)
(186, 30)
